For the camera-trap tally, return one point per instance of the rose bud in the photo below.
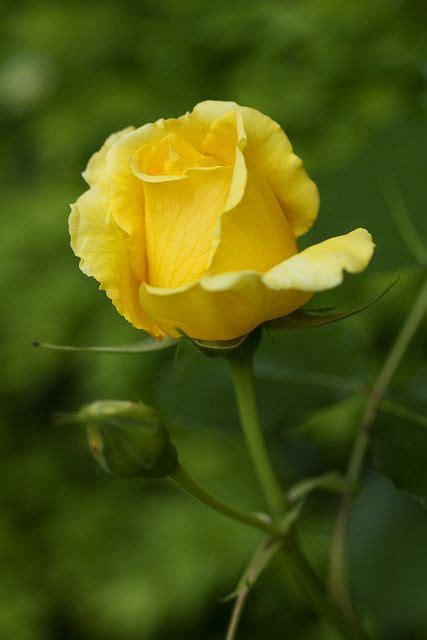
(128, 439)
(190, 225)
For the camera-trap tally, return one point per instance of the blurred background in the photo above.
(85, 555)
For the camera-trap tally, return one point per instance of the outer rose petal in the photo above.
(95, 170)
(102, 248)
(230, 305)
(125, 193)
(322, 265)
(270, 153)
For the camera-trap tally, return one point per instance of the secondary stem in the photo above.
(244, 386)
(186, 482)
(339, 590)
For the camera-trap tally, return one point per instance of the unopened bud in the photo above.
(128, 439)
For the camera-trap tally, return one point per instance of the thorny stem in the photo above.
(338, 582)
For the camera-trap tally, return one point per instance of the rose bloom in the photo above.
(190, 225)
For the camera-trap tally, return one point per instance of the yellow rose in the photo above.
(190, 224)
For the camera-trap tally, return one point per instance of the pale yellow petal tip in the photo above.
(322, 265)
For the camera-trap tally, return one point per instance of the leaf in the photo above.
(308, 319)
(327, 435)
(143, 346)
(399, 449)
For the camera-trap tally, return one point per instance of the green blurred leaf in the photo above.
(399, 450)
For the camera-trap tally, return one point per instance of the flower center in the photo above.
(172, 156)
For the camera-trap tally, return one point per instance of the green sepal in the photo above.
(142, 346)
(226, 348)
(301, 319)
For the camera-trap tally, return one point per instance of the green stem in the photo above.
(302, 572)
(338, 582)
(244, 386)
(314, 592)
(186, 482)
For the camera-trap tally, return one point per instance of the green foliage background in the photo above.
(85, 555)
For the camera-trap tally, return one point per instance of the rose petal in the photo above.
(95, 170)
(183, 216)
(226, 306)
(270, 153)
(322, 265)
(109, 171)
(103, 251)
(255, 234)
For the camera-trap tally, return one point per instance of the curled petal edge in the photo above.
(229, 305)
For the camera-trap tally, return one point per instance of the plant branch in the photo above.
(257, 564)
(186, 482)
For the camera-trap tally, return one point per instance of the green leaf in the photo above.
(308, 319)
(327, 434)
(143, 346)
(399, 449)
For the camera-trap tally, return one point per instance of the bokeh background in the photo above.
(88, 556)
